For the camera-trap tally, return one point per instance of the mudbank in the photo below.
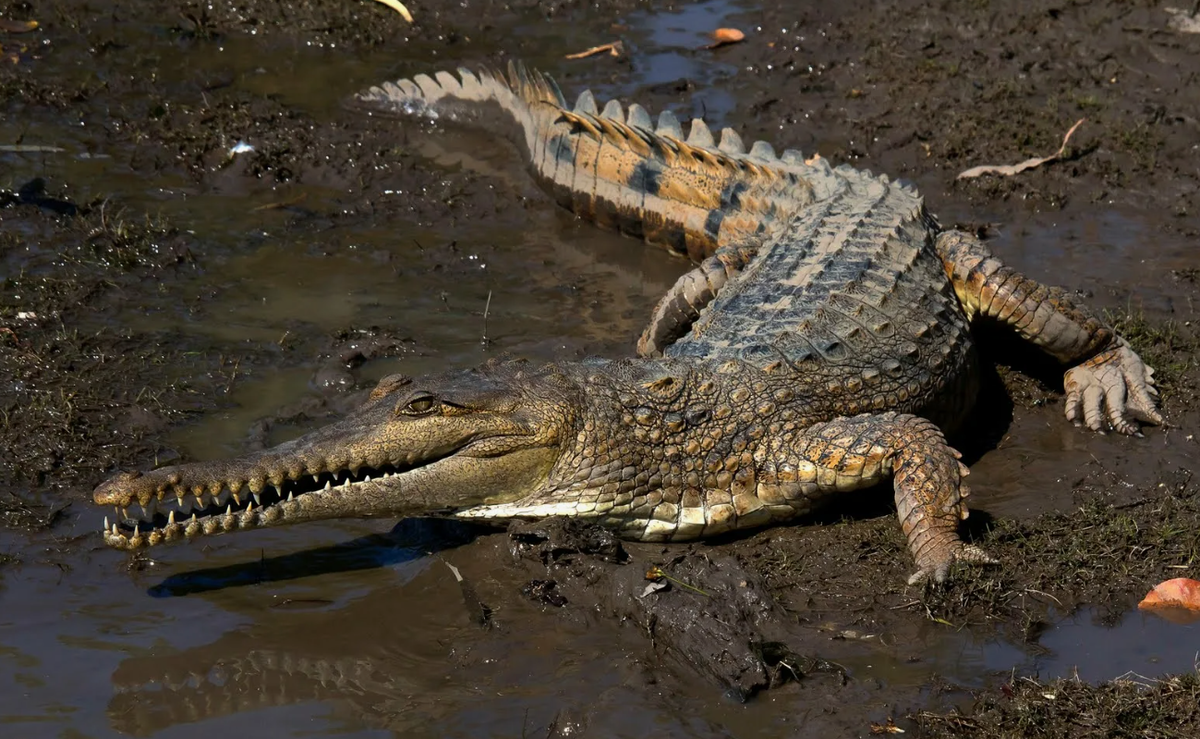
(208, 239)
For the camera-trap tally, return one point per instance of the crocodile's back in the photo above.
(843, 290)
(851, 297)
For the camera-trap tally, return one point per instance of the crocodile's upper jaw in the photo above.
(434, 446)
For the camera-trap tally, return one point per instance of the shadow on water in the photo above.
(410, 539)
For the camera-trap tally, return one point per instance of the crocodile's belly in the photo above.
(853, 300)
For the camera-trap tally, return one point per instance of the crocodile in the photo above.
(821, 343)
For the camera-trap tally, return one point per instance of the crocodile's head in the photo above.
(436, 445)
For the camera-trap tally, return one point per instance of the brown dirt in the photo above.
(919, 90)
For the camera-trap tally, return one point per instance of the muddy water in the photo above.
(355, 629)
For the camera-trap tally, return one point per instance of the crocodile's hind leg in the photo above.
(1108, 384)
(681, 306)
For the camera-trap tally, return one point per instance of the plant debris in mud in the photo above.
(1103, 553)
(1106, 552)
(1029, 708)
(80, 398)
(30, 515)
(1168, 347)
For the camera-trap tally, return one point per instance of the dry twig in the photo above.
(1008, 170)
(398, 6)
(615, 48)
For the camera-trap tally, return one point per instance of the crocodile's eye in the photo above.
(418, 406)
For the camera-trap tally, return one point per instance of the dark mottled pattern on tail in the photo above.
(619, 170)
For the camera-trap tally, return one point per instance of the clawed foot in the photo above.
(1113, 389)
(937, 571)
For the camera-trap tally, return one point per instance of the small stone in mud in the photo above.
(544, 591)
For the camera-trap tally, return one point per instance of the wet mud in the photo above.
(203, 251)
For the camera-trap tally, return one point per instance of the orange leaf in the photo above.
(724, 36)
(1176, 600)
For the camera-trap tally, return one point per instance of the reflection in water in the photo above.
(411, 657)
(407, 657)
(359, 659)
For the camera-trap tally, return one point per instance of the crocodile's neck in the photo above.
(677, 449)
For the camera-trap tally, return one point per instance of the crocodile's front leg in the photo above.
(1107, 385)
(854, 452)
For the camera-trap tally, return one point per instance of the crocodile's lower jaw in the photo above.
(189, 516)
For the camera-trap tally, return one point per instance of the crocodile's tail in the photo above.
(616, 168)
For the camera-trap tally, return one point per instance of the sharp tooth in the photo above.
(328, 484)
(106, 523)
(257, 498)
(117, 512)
(114, 530)
(291, 497)
(367, 478)
(193, 518)
(249, 506)
(171, 518)
(316, 478)
(237, 499)
(278, 492)
(125, 513)
(228, 510)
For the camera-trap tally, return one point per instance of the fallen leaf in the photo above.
(17, 26)
(398, 6)
(887, 728)
(1009, 170)
(615, 48)
(1177, 600)
(725, 36)
(654, 587)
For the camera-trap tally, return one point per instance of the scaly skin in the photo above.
(827, 319)
(658, 450)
